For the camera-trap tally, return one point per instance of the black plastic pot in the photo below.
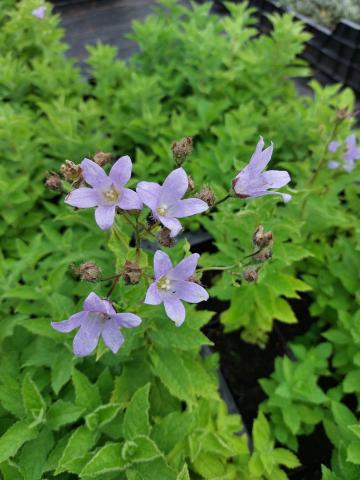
(334, 55)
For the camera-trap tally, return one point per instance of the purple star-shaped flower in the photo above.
(98, 318)
(252, 181)
(165, 201)
(39, 12)
(107, 192)
(351, 154)
(173, 284)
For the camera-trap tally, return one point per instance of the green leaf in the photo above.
(103, 415)
(285, 457)
(353, 452)
(106, 460)
(32, 399)
(33, 455)
(14, 438)
(184, 474)
(136, 419)
(63, 413)
(61, 370)
(79, 444)
(173, 429)
(86, 394)
(351, 382)
(140, 449)
(261, 433)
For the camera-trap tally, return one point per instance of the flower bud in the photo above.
(263, 255)
(70, 171)
(191, 185)
(250, 274)
(88, 272)
(102, 158)
(261, 238)
(165, 239)
(181, 150)
(53, 182)
(342, 113)
(207, 196)
(132, 273)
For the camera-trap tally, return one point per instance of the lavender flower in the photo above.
(107, 192)
(252, 181)
(351, 154)
(98, 318)
(173, 284)
(39, 12)
(166, 201)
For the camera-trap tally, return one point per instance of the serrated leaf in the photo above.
(63, 413)
(79, 444)
(136, 419)
(86, 394)
(14, 438)
(106, 460)
(33, 455)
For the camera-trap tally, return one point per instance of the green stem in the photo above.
(221, 201)
(221, 269)
(137, 239)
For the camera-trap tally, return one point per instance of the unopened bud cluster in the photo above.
(182, 149)
(207, 195)
(71, 171)
(132, 273)
(53, 182)
(262, 242)
(88, 272)
(102, 158)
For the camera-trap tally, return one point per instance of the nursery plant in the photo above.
(132, 397)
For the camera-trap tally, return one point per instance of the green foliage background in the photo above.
(153, 411)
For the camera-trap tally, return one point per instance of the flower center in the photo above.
(164, 284)
(162, 210)
(111, 195)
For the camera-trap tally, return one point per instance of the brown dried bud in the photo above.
(53, 182)
(132, 273)
(102, 158)
(88, 271)
(207, 195)
(165, 239)
(71, 171)
(261, 238)
(191, 185)
(251, 274)
(263, 255)
(182, 149)
(342, 113)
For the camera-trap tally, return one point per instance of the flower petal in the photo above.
(185, 268)
(68, 325)
(187, 207)
(93, 303)
(149, 193)
(285, 196)
(175, 310)
(82, 198)
(162, 264)
(333, 164)
(104, 216)
(93, 174)
(129, 200)
(120, 172)
(260, 158)
(174, 187)
(87, 337)
(351, 141)
(127, 320)
(276, 178)
(112, 336)
(333, 146)
(152, 295)
(191, 292)
(172, 224)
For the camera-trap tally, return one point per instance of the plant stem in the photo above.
(137, 239)
(113, 285)
(221, 269)
(221, 201)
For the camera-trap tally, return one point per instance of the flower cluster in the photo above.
(171, 285)
(351, 154)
